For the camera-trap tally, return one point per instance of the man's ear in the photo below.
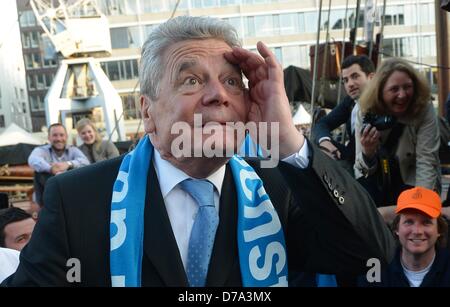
(149, 124)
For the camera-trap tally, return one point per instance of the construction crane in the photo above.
(79, 32)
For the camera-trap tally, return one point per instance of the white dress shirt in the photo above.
(9, 261)
(182, 208)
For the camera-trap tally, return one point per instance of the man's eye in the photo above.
(190, 81)
(232, 82)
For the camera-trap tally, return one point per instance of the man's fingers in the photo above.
(273, 67)
(253, 65)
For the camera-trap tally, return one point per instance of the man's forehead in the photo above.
(193, 50)
(57, 129)
(355, 68)
(19, 226)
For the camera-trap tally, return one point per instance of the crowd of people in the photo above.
(155, 217)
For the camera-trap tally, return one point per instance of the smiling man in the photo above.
(53, 158)
(422, 259)
(155, 218)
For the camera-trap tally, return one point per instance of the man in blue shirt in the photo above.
(54, 158)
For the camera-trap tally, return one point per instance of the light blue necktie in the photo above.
(203, 231)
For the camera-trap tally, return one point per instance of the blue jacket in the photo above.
(393, 276)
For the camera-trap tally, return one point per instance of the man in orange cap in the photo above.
(422, 260)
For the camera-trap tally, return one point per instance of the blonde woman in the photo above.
(94, 148)
(412, 145)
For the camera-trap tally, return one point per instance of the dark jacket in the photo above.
(330, 223)
(393, 275)
(339, 115)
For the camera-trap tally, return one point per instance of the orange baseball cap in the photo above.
(422, 199)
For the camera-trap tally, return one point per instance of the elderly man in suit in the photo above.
(171, 214)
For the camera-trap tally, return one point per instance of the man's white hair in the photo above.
(176, 30)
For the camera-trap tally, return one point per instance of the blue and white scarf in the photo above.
(261, 244)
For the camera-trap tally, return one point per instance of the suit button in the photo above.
(336, 193)
(341, 200)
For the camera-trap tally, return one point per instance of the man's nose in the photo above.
(417, 228)
(351, 83)
(215, 93)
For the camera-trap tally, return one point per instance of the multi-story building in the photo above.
(289, 27)
(39, 71)
(13, 99)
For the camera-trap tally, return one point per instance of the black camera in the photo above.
(381, 122)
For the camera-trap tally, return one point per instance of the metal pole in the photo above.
(442, 57)
(380, 45)
(342, 52)
(316, 57)
(175, 9)
(371, 31)
(327, 44)
(358, 2)
(116, 126)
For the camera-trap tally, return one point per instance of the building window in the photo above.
(428, 46)
(26, 40)
(127, 37)
(48, 79)
(264, 25)
(27, 19)
(291, 56)
(35, 37)
(31, 82)
(112, 7)
(37, 102)
(311, 19)
(426, 14)
(49, 63)
(40, 85)
(410, 15)
(236, 23)
(33, 60)
(121, 70)
(278, 55)
(131, 109)
(289, 24)
(249, 28)
(2, 121)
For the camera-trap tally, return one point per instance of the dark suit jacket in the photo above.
(339, 115)
(394, 276)
(330, 224)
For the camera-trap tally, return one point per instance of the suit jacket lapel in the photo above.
(225, 253)
(159, 241)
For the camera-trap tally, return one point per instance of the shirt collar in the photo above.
(168, 182)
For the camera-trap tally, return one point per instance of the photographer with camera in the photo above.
(398, 144)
